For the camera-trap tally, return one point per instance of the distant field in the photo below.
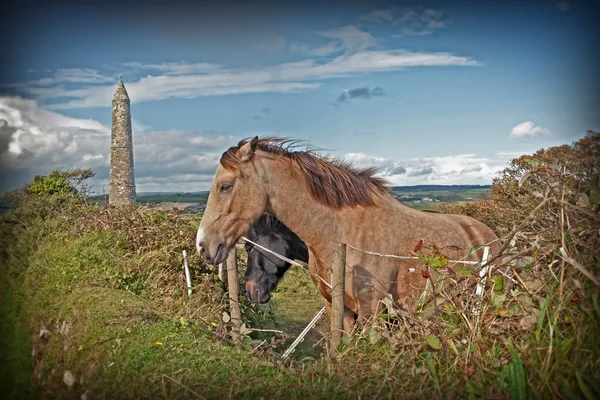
(469, 194)
(419, 197)
(175, 198)
(163, 198)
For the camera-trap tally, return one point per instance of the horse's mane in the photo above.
(331, 181)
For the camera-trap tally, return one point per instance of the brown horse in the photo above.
(325, 202)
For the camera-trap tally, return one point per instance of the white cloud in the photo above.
(163, 87)
(176, 68)
(509, 153)
(528, 129)
(69, 76)
(410, 21)
(319, 51)
(433, 18)
(36, 137)
(138, 127)
(220, 141)
(287, 77)
(351, 38)
(379, 15)
(34, 140)
(449, 170)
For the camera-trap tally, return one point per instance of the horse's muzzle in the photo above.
(219, 256)
(256, 294)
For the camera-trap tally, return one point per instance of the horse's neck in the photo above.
(290, 201)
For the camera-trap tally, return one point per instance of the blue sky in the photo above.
(430, 92)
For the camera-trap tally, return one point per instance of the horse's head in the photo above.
(264, 270)
(237, 199)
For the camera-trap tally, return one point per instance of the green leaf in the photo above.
(568, 238)
(431, 369)
(583, 200)
(498, 283)
(247, 339)
(466, 271)
(434, 342)
(540, 322)
(364, 290)
(583, 387)
(374, 337)
(498, 299)
(596, 305)
(473, 388)
(516, 376)
(594, 195)
(514, 309)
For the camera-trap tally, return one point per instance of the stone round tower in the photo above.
(122, 182)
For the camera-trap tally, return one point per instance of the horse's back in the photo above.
(478, 233)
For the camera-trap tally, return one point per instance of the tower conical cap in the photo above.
(121, 92)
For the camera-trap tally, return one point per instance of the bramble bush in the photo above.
(114, 277)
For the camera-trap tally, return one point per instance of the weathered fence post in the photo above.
(338, 280)
(223, 272)
(234, 291)
(188, 278)
(482, 278)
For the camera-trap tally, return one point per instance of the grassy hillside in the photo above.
(93, 303)
(108, 288)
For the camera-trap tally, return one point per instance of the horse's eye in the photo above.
(225, 187)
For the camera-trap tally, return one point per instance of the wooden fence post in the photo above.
(338, 280)
(223, 272)
(188, 278)
(234, 291)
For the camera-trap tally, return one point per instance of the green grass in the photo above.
(294, 303)
(16, 375)
(109, 287)
(116, 341)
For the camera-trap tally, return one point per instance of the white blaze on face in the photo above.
(199, 238)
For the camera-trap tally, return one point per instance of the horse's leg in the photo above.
(365, 314)
(349, 320)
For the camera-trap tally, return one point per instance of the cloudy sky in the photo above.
(432, 92)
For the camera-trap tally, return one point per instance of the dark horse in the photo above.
(264, 270)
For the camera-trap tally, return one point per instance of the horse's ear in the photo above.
(247, 150)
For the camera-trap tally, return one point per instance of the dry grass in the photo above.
(108, 285)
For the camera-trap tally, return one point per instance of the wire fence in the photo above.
(337, 310)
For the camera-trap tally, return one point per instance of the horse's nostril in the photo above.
(265, 297)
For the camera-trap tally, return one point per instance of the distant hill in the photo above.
(142, 194)
(414, 188)
(433, 188)
(417, 196)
